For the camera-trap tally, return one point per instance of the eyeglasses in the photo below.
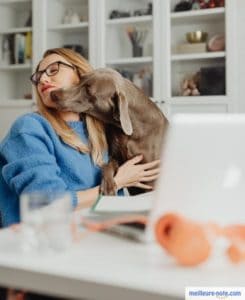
(51, 70)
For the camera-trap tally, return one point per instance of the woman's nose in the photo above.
(44, 78)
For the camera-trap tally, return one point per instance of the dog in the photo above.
(134, 123)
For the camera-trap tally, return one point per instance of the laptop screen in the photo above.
(203, 169)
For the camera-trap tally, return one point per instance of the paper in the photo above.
(125, 204)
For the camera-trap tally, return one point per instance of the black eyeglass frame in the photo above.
(36, 82)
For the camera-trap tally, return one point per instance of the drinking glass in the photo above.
(46, 221)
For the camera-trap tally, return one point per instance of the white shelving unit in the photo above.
(180, 66)
(130, 20)
(205, 55)
(14, 78)
(200, 15)
(107, 44)
(130, 61)
(69, 27)
(16, 30)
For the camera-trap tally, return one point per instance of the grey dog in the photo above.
(134, 124)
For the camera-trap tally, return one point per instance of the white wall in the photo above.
(240, 36)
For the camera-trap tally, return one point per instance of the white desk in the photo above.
(105, 267)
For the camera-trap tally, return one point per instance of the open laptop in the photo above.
(202, 173)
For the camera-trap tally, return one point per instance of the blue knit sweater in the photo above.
(34, 158)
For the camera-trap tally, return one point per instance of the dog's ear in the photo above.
(124, 114)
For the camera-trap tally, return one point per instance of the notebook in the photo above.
(124, 204)
(109, 208)
(202, 175)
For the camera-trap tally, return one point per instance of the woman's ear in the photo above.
(124, 114)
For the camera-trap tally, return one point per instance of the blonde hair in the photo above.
(96, 132)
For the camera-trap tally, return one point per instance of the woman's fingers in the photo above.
(135, 159)
(150, 165)
(152, 172)
(149, 178)
(143, 186)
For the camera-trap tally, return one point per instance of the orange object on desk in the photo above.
(185, 240)
(190, 243)
(236, 234)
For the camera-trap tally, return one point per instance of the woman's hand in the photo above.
(133, 174)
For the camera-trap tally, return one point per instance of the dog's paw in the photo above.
(108, 187)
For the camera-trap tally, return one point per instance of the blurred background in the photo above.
(187, 55)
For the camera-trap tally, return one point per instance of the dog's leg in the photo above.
(108, 185)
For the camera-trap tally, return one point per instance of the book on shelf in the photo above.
(28, 47)
(187, 48)
(17, 48)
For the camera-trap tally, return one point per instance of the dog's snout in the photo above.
(57, 96)
(54, 96)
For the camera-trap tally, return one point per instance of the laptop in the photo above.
(202, 173)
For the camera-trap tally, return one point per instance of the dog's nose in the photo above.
(54, 96)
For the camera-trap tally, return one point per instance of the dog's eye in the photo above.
(114, 97)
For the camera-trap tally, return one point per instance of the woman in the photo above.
(51, 150)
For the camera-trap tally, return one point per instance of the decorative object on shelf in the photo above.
(220, 3)
(142, 78)
(197, 36)
(28, 96)
(75, 19)
(84, 18)
(137, 38)
(114, 14)
(189, 86)
(71, 17)
(119, 14)
(183, 5)
(212, 81)
(200, 4)
(67, 16)
(143, 12)
(205, 4)
(211, 4)
(216, 43)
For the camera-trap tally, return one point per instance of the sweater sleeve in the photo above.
(31, 165)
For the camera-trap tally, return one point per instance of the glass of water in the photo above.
(46, 220)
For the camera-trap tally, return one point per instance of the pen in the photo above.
(96, 202)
